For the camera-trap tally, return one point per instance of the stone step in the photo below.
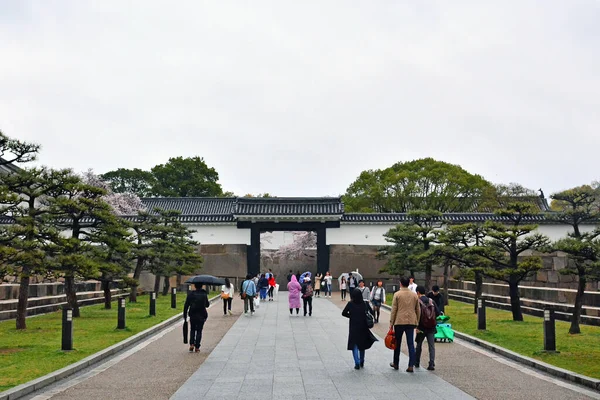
(55, 306)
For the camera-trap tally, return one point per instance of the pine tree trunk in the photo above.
(178, 282)
(515, 300)
(71, 293)
(574, 329)
(166, 285)
(23, 301)
(156, 284)
(428, 269)
(478, 288)
(136, 275)
(446, 279)
(107, 295)
(133, 294)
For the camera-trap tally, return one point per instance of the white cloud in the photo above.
(297, 98)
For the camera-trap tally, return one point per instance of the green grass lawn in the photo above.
(29, 354)
(578, 353)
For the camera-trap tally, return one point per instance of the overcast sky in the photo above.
(297, 98)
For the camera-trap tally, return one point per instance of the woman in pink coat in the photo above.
(294, 290)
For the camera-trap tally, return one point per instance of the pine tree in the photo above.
(412, 244)
(503, 246)
(579, 206)
(85, 216)
(26, 243)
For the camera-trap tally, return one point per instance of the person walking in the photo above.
(364, 291)
(307, 295)
(343, 286)
(195, 306)
(404, 317)
(437, 298)
(248, 293)
(328, 279)
(351, 284)
(263, 285)
(412, 285)
(318, 282)
(294, 290)
(360, 337)
(227, 296)
(272, 285)
(377, 299)
(289, 276)
(426, 328)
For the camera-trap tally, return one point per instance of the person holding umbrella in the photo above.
(195, 306)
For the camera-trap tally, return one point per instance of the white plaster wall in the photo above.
(347, 234)
(371, 235)
(555, 232)
(220, 234)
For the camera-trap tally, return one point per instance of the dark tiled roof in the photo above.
(397, 218)
(539, 203)
(289, 206)
(208, 206)
(7, 168)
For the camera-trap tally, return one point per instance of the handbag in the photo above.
(390, 339)
(256, 302)
(370, 319)
(243, 294)
(185, 331)
(224, 296)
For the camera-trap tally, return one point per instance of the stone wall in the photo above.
(11, 291)
(544, 294)
(231, 260)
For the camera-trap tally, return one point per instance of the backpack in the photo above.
(427, 314)
(308, 292)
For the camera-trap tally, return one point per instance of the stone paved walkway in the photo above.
(274, 356)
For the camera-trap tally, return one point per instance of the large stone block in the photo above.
(562, 278)
(542, 276)
(547, 263)
(552, 276)
(559, 263)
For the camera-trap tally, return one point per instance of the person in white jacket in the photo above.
(227, 296)
(412, 285)
(377, 299)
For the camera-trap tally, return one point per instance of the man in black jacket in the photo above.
(197, 303)
(437, 297)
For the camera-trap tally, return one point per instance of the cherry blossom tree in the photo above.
(121, 203)
(266, 254)
(302, 241)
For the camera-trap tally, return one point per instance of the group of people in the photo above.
(306, 291)
(412, 311)
(258, 287)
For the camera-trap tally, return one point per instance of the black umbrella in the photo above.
(206, 280)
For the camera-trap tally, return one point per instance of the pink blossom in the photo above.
(122, 203)
(302, 241)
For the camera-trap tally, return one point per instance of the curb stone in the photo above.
(36, 384)
(527, 361)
